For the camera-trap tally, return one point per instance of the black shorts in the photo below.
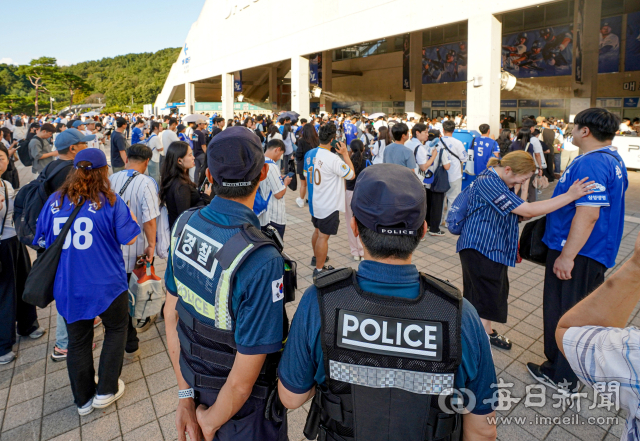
(329, 225)
(300, 170)
(485, 285)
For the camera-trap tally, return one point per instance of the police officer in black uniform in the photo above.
(381, 350)
(225, 319)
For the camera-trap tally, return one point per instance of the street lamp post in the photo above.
(51, 100)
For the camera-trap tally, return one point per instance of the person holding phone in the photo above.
(274, 188)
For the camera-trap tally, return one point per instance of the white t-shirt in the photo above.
(276, 210)
(141, 196)
(378, 124)
(537, 148)
(9, 197)
(457, 149)
(420, 155)
(568, 146)
(624, 128)
(377, 150)
(168, 136)
(155, 145)
(326, 174)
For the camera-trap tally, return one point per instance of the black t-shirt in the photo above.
(198, 142)
(118, 144)
(56, 182)
(214, 132)
(351, 185)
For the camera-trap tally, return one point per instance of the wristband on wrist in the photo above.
(186, 393)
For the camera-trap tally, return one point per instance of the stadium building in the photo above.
(409, 56)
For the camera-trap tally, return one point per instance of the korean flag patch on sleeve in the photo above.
(277, 289)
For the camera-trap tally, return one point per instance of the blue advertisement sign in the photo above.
(313, 69)
(631, 102)
(609, 55)
(454, 103)
(509, 103)
(528, 103)
(237, 81)
(538, 53)
(552, 103)
(438, 103)
(444, 63)
(632, 50)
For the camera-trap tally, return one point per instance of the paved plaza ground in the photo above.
(36, 401)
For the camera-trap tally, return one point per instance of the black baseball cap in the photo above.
(235, 157)
(389, 199)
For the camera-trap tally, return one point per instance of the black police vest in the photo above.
(388, 361)
(206, 257)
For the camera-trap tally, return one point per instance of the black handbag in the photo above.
(532, 248)
(440, 182)
(38, 288)
(293, 185)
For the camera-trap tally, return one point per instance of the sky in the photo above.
(76, 31)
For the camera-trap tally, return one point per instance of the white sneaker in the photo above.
(86, 409)
(357, 258)
(300, 202)
(102, 401)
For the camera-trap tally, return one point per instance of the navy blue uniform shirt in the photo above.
(256, 301)
(302, 363)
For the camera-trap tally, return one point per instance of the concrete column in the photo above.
(227, 95)
(483, 102)
(413, 97)
(189, 97)
(273, 87)
(327, 81)
(586, 15)
(300, 86)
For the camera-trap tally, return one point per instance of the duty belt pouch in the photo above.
(290, 278)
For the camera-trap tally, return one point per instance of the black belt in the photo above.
(207, 331)
(196, 381)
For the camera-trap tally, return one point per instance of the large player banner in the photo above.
(632, 51)
(313, 69)
(444, 63)
(406, 62)
(539, 53)
(609, 55)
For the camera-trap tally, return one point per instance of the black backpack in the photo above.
(29, 202)
(23, 153)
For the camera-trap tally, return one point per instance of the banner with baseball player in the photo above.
(632, 50)
(444, 63)
(538, 53)
(609, 55)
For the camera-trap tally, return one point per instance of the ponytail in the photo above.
(493, 162)
(520, 162)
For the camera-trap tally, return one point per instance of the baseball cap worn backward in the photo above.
(235, 157)
(389, 199)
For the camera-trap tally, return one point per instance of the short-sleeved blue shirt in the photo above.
(490, 227)
(610, 175)
(350, 132)
(258, 312)
(91, 271)
(136, 135)
(302, 363)
(483, 150)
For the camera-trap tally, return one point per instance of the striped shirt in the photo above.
(276, 210)
(607, 359)
(141, 195)
(490, 227)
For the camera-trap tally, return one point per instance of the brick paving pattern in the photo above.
(36, 401)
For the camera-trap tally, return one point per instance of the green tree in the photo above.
(71, 84)
(16, 103)
(39, 72)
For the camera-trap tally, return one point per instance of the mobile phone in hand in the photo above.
(290, 175)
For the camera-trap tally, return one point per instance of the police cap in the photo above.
(235, 157)
(389, 199)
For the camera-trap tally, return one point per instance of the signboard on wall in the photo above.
(528, 103)
(406, 62)
(438, 103)
(538, 53)
(558, 103)
(579, 34)
(631, 102)
(313, 69)
(454, 103)
(632, 49)
(609, 55)
(444, 63)
(508, 103)
(237, 81)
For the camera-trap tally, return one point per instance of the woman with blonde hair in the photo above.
(488, 243)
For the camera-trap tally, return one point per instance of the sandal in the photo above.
(499, 340)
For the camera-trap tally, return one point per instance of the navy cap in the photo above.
(70, 137)
(77, 123)
(235, 157)
(389, 199)
(95, 156)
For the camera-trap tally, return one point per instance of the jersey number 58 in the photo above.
(81, 237)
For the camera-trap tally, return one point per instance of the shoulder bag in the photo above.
(38, 288)
(440, 182)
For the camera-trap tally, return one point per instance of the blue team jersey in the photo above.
(302, 363)
(610, 174)
(317, 127)
(136, 135)
(91, 272)
(483, 150)
(350, 132)
(256, 302)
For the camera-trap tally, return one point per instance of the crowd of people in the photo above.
(221, 185)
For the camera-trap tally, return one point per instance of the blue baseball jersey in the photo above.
(483, 150)
(257, 297)
(607, 169)
(91, 272)
(136, 135)
(317, 127)
(350, 132)
(302, 363)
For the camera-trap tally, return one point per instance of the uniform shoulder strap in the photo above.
(182, 220)
(327, 278)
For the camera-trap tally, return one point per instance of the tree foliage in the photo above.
(118, 79)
